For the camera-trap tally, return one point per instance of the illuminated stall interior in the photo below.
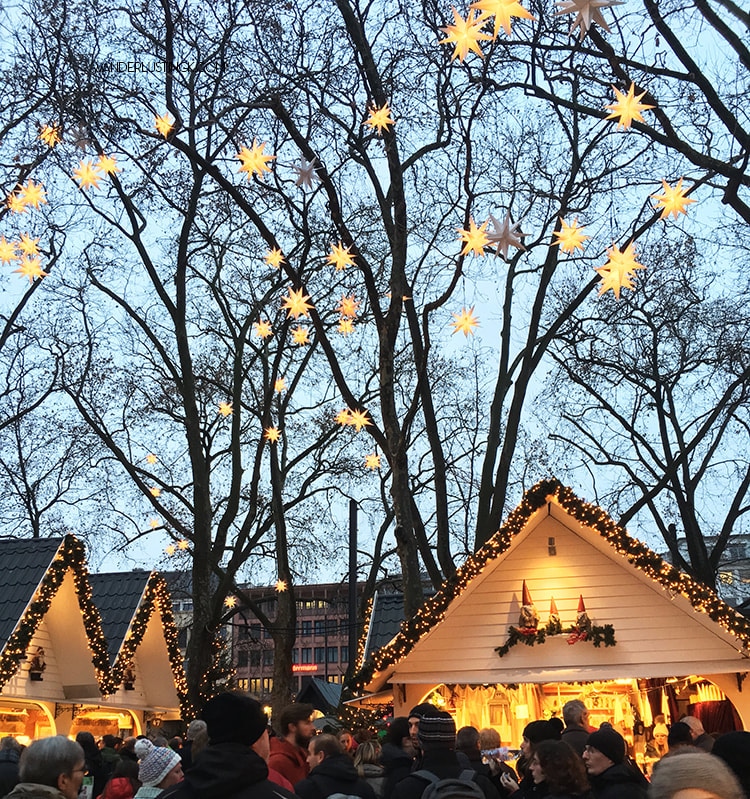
(25, 721)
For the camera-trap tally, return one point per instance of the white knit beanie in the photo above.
(155, 762)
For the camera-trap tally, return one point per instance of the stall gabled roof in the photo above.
(118, 595)
(664, 620)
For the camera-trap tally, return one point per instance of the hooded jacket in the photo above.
(335, 774)
(227, 771)
(621, 781)
(289, 760)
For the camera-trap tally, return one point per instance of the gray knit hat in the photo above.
(438, 729)
(688, 768)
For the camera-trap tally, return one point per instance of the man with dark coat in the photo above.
(331, 771)
(10, 752)
(701, 738)
(576, 732)
(229, 768)
(610, 774)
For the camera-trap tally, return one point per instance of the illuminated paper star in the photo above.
(107, 164)
(570, 237)
(50, 135)
(281, 586)
(271, 434)
(619, 271)
(380, 118)
(27, 245)
(33, 194)
(343, 417)
(231, 602)
(587, 12)
(345, 326)
(15, 203)
(274, 257)
(673, 201)
(506, 234)
(296, 304)
(254, 161)
(183, 544)
(31, 267)
(171, 549)
(155, 491)
(372, 461)
(340, 257)
(81, 137)
(627, 107)
(263, 329)
(7, 251)
(475, 238)
(502, 11)
(300, 335)
(87, 175)
(348, 306)
(305, 173)
(280, 384)
(226, 409)
(151, 458)
(154, 523)
(359, 419)
(465, 322)
(164, 124)
(465, 34)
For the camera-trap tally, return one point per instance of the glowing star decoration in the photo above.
(343, 417)
(274, 257)
(465, 34)
(372, 461)
(50, 135)
(305, 173)
(7, 251)
(505, 234)
(380, 118)
(359, 419)
(296, 304)
(87, 175)
(345, 327)
(348, 307)
(340, 257)
(231, 602)
(15, 203)
(154, 523)
(151, 459)
(281, 586)
(226, 409)
(33, 194)
(300, 335)
(107, 165)
(164, 124)
(263, 329)
(31, 267)
(465, 322)
(254, 161)
(570, 237)
(587, 12)
(502, 11)
(627, 107)
(271, 434)
(27, 245)
(183, 544)
(475, 239)
(619, 271)
(279, 385)
(155, 491)
(673, 201)
(171, 549)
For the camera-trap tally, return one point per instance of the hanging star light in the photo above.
(151, 459)
(171, 549)
(345, 326)
(502, 11)
(305, 173)
(296, 304)
(50, 135)
(343, 417)
(154, 523)
(465, 34)
(506, 234)
(673, 201)
(226, 409)
(230, 602)
(570, 237)
(7, 251)
(274, 257)
(279, 385)
(281, 586)
(15, 203)
(465, 322)
(372, 461)
(87, 175)
(164, 124)
(475, 239)
(263, 329)
(627, 107)
(271, 434)
(300, 335)
(80, 137)
(107, 164)
(380, 118)
(619, 271)
(33, 194)
(348, 306)
(183, 544)
(155, 491)
(255, 161)
(359, 419)
(587, 12)
(340, 257)
(27, 245)
(31, 267)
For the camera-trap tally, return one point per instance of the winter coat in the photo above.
(621, 781)
(33, 790)
(575, 736)
(335, 774)
(528, 789)
(443, 763)
(289, 760)
(493, 773)
(8, 770)
(118, 788)
(375, 776)
(397, 764)
(227, 771)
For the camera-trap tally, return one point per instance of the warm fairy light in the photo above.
(225, 409)
(231, 602)
(281, 585)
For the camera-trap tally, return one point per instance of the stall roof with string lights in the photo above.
(643, 618)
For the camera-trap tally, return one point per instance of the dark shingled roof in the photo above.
(322, 695)
(25, 562)
(117, 595)
(385, 620)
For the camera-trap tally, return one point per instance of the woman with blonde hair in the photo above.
(367, 763)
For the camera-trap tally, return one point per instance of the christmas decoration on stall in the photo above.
(554, 625)
(37, 664)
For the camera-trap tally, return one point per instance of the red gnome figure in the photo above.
(583, 622)
(554, 625)
(529, 618)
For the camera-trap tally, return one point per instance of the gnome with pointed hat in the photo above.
(529, 618)
(554, 625)
(583, 622)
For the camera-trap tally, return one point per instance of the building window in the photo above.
(242, 659)
(253, 658)
(320, 654)
(242, 684)
(307, 627)
(344, 654)
(343, 626)
(295, 655)
(267, 685)
(266, 633)
(307, 654)
(268, 657)
(320, 627)
(333, 654)
(254, 685)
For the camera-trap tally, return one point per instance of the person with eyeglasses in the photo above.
(50, 768)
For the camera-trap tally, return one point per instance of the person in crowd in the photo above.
(159, 740)
(576, 716)
(95, 766)
(50, 768)
(331, 772)
(289, 748)
(610, 774)
(657, 747)
(175, 742)
(159, 767)
(734, 749)
(109, 753)
(694, 775)
(127, 750)
(415, 714)
(558, 765)
(196, 729)
(397, 757)
(533, 733)
(369, 768)
(233, 765)
(489, 740)
(348, 744)
(701, 738)
(124, 782)
(437, 740)
(10, 752)
(262, 747)
(679, 736)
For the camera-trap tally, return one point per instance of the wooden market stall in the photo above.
(562, 603)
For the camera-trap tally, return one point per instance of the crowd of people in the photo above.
(231, 752)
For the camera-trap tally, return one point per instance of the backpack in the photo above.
(461, 787)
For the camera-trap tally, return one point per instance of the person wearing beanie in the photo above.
(611, 775)
(233, 765)
(701, 738)
(289, 747)
(331, 772)
(658, 746)
(679, 736)
(415, 714)
(734, 749)
(692, 772)
(159, 767)
(437, 740)
(533, 733)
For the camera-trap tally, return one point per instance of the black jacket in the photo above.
(397, 765)
(621, 781)
(227, 771)
(443, 763)
(8, 770)
(335, 774)
(575, 736)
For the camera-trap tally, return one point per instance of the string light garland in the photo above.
(702, 598)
